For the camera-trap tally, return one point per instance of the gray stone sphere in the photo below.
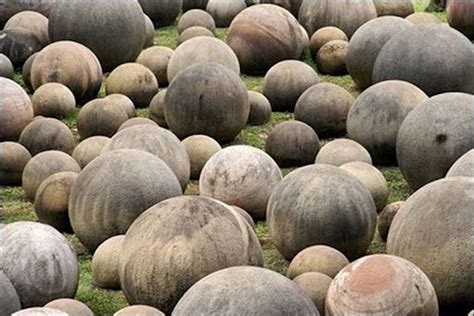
(89, 149)
(32, 21)
(40, 311)
(18, 44)
(156, 59)
(463, 167)
(135, 122)
(316, 286)
(194, 4)
(386, 218)
(192, 32)
(124, 102)
(13, 159)
(323, 36)
(341, 151)
(223, 12)
(401, 8)
(196, 17)
(139, 310)
(8, 297)
(331, 58)
(423, 18)
(149, 31)
(200, 149)
(105, 263)
(157, 109)
(245, 215)
(71, 307)
(53, 100)
(460, 17)
(163, 12)
(26, 72)
(6, 67)
(10, 8)
(260, 109)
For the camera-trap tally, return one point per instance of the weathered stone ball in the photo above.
(209, 99)
(8, 297)
(136, 121)
(149, 32)
(386, 218)
(71, 307)
(105, 263)
(366, 44)
(192, 32)
(32, 21)
(463, 167)
(200, 149)
(6, 67)
(341, 151)
(196, 17)
(71, 64)
(433, 136)
(163, 12)
(331, 58)
(381, 284)
(413, 55)
(13, 159)
(316, 286)
(53, 100)
(139, 310)
(18, 44)
(26, 246)
(107, 189)
(245, 215)
(242, 176)
(124, 102)
(286, 81)
(16, 110)
(292, 144)
(223, 12)
(44, 134)
(10, 8)
(239, 291)
(460, 17)
(156, 59)
(323, 36)
(157, 109)
(321, 204)
(121, 23)
(423, 18)
(89, 149)
(325, 107)
(194, 4)
(43, 165)
(260, 109)
(26, 72)
(204, 236)
(402, 8)
(40, 311)
(291, 5)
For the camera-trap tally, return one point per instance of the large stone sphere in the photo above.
(245, 215)
(331, 58)
(70, 306)
(386, 218)
(162, 12)
(196, 17)
(413, 55)
(323, 36)
(242, 176)
(8, 297)
(192, 32)
(136, 121)
(40, 311)
(71, 64)
(149, 31)
(156, 59)
(263, 35)
(341, 151)
(461, 17)
(194, 4)
(34, 253)
(463, 167)
(325, 107)
(433, 136)
(18, 44)
(316, 286)
(89, 149)
(376, 116)
(239, 291)
(260, 109)
(200, 149)
(13, 159)
(53, 100)
(16, 110)
(43, 165)
(418, 235)
(196, 236)
(6, 67)
(103, 201)
(402, 8)
(26, 72)
(124, 102)
(381, 284)
(286, 81)
(121, 25)
(321, 204)
(105, 263)
(157, 109)
(208, 99)
(223, 12)
(44, 134)
(34, 22)
(423, 18)
(139, 310)
(366, 44)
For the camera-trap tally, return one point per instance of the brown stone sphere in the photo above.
(401, 8)
(341, 151)
(260, 109)
(53, 100)
(89, 149)
(196, 17)
(331, 58)
(291, 5)
(105, 263)
(18, 44)
(163, 12)
(70, 306)
(6, 67)
(223, 12)
(123, 102)
(26, 72)
(32, 21)
(157, 109)
(193, 32)
(323, 36)
(156, 59)
(423, 18)
(136, 121)
(13, 159)
(460, 16)
(149, 32)
(386, 217)
(200, 149)
(316, 286)
(142, 310)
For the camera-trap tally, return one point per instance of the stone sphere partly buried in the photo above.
(260, 109)
(6, 67)
(386, 218)
(139, 310)
(402, 8)
(70, 306)
(163, 12)
(9, 299)
(331, 58)
(242, 176)
(32, 21)
(89, 149)
(196, 17)
(18, 44)
(342, 151)
(463, 167)
(53, 100)
(323, 36)
(316, 286)
(135, 122)
(196, 236)
(223, 12)
(157, 109)
(200, 149)
(194, 4)
(192, 32)
(105, 263)
(156, 59)
(321, 204)
(13, 159)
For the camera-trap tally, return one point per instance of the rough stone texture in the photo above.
(6, 67)
(8, 297)
(192, 32)
(162, 12)
(9, 8)
(40, 311)
(321, 204)
(402, 8)
(196, 17)
(243, 176)
(331, 58)
(13, 159)
(461, 17)
(423, 18)
(18, 44)
(323, 36)
(386, 217)
(71, 307)
(156, 59)
(105, 263)
(180, 241)
(142, 310)
(200, 149)
(291, 5)
(124, 102)
(260, 109)
(194, 4)
(157, 109)
(89, 149)
(245, 215)
(135, 122)
(463, 167)
(316, 286)
(341, 151)
(223, 12)
(53, 100)
(34, 22)
(26, 72)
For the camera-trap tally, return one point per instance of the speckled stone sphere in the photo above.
(163, 12)
(323, 36)
(53, 100)
(136, 121)
(18, 44)
(402, 8)
(223, 12)
(13, 159)
(105, 263)
(331, 58)
(192, 32)
(200, 149)
(316, 286)
(71, 307)
(463, 167)
(89, 149)
(33, 22)
(156, 59)
(342, 151)
(157, 109)
(423, 18)
(260, 109)
(386, 218)
(122, 101)
(9, 299)
(139, 309)
(6, 67)
(196, 17)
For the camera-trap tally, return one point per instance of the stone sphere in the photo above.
(34, 253)
(286, 81)
(43, 165)
(71, 307)
(316, 286)
(196, 17)
(463, 167)
(71, 64)
(52, 198)
(53, 100)
(194, 4)
(323, 36)
(325, 107)
(260, 109)
(89, 149)
(202, 49)
(341, 151)
(223, 12)
(433, 136)
(331, 58)
(135, 81)
(44, 134)
(386, 218)
(291, 5)
(6, 67)
(40, 311)
(196, 236)
(321, 204)
(200, 149)
(320, 258)
(381, 284)
(157, 109)
(124, 102)
(16, 110)
(209, 99)
(192, 32)
(149, 31)
(135, 122)
(376, 116)
(10, 8)
(13, 159)
(423, 18)
(26, 72)
(239, 291)
(121, 24)
(103, 201)
(366, 44)
(8, 297)
(243, 176)
(163, 12)
(461, 17)
(292, 144)
(413, 55)
(263, 35)
(418, 235)
(402, 8)
(105, 263)
(156, 59)
(245, 215)
(18, 44)
(139, 310)
(32, 21)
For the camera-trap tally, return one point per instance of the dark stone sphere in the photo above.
(157, 109)
(156, 59)
(9, 299)
(331, 58)
(291, 5)
(193, 32)
(6, 67)
(260, 109)
(18, 44)
(196, 17)
(26, 72)
(461, 17)
(32, 21)
(13, 159)
(162, 12)
(223, 12)
(194, 4)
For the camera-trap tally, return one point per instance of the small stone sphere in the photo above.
(323, 36)
(34, 22)
(192, 32)
(239, 291)
(135, 81)
(89, 149)
(402, 8)
(6, 67)
(141, 310)
(200, 149)
(242, 176)
(52, 198)
(156, 59)
(13, 159)
(320, 258)
(331, 58)
(325, 107)
(202, 49)
(194, 4)
(105, 263)
(286, 81)
(245, 215)
(316, 286)
(136, 121)
(18, 44)
(124, 102)
(196, 17)
(260, 109)
(163, 12)
(386, 218)
(149, 31)
(292, 144)
(463, 167)
(341, 151)
(9, 299)
(157, 109)
(71, 307)
(40, 311)
(26, 72)
(223, 12)
(423, 18)
(53, 100)
(386, 284)
(460, 16)
(16, 110)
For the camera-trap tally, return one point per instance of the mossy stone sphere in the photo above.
(18, 44)
(105, 263)
(260, 109)
(386, 218)
(223, 12)
(26, 72)
(192, 32)
(401, 8)
(463, 167)
(13, 159)
(140, 310)
(196, 17)
(6, 67)
(316, 286)
(156, 59)
(200, 149)
(71, 307)
(53, 100)
(163, 12)
(331, 58)
(323, 36)
(341, 151)
(423, 18)
(33, 22)
(89, 149)
(157, 109)
(124, 102)
(9, 299)
(136, 121)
